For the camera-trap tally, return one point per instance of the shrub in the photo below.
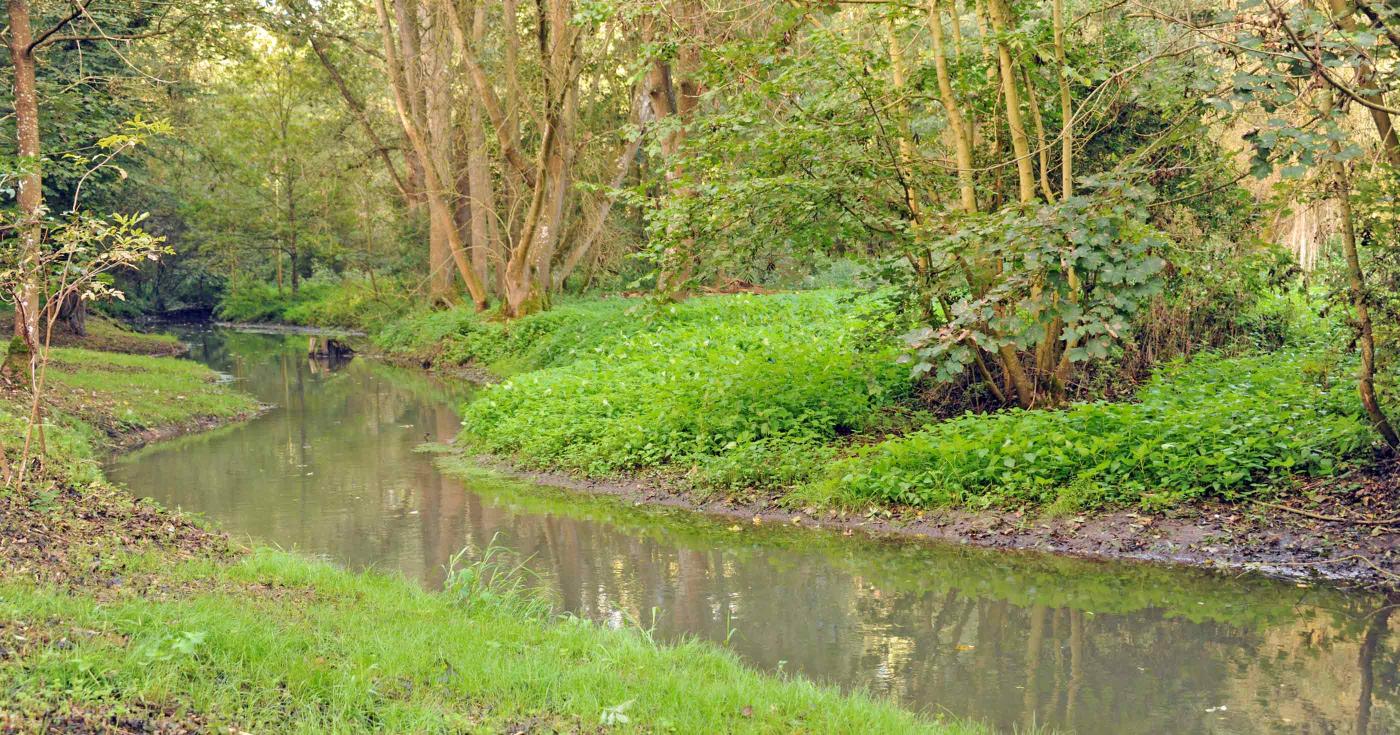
(1213, 427)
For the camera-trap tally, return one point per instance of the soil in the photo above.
(120, 440)
(1349, 537)
(62, 534)
(125, 719)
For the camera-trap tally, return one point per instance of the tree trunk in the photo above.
(1366, 341)
(1020, 144)
(439, 208)
(293, 243)
(677, 90)
(31, 190)
(962, 142)
(1066, 103)
(73, 312)
(435, 75)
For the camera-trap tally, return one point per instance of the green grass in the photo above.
(1213, 427)
(118, 392)
(747, 389)
(277, 643)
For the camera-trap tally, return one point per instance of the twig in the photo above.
(1334, 519)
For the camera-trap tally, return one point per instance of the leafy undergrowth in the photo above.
(768, 393)
(1213, 427)
(124, 394)
(118, 616)
(746, 390)
(349, 302)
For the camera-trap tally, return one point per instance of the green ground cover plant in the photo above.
(1214, 426)
(745, 387)
(769, 391)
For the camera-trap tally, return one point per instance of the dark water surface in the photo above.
(1002, 637)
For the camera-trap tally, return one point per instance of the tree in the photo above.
(1306, 66)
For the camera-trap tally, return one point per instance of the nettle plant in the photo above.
(1066, 280)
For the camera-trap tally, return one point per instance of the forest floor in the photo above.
(118, 616)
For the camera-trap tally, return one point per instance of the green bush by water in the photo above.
(749, 388)
(348, 302)
(1213, 427)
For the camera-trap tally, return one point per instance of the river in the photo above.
(336, 469)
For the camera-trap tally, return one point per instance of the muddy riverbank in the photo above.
(1347, 546)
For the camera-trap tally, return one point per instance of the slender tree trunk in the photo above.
(31, 190)
(1020, 144)
(962, 141)
(906, 144)
(1042, 148)
(435, 74)
(483, 198)
(1066, 103)
(438, 206)
(680, 84)
(1366, 341)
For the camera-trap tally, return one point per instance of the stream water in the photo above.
(1007, 638)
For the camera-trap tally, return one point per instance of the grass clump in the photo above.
(745, 388)
(1210, 427)
(278, 643)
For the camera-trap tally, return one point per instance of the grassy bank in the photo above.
(799, 395)
(117, 614)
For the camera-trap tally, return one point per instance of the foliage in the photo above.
(349, 302)
(1082, 267)
(721, 377)
(1211, 427)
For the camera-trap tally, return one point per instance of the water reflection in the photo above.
(1007, 638)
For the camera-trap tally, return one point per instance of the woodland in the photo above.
(945, 265)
